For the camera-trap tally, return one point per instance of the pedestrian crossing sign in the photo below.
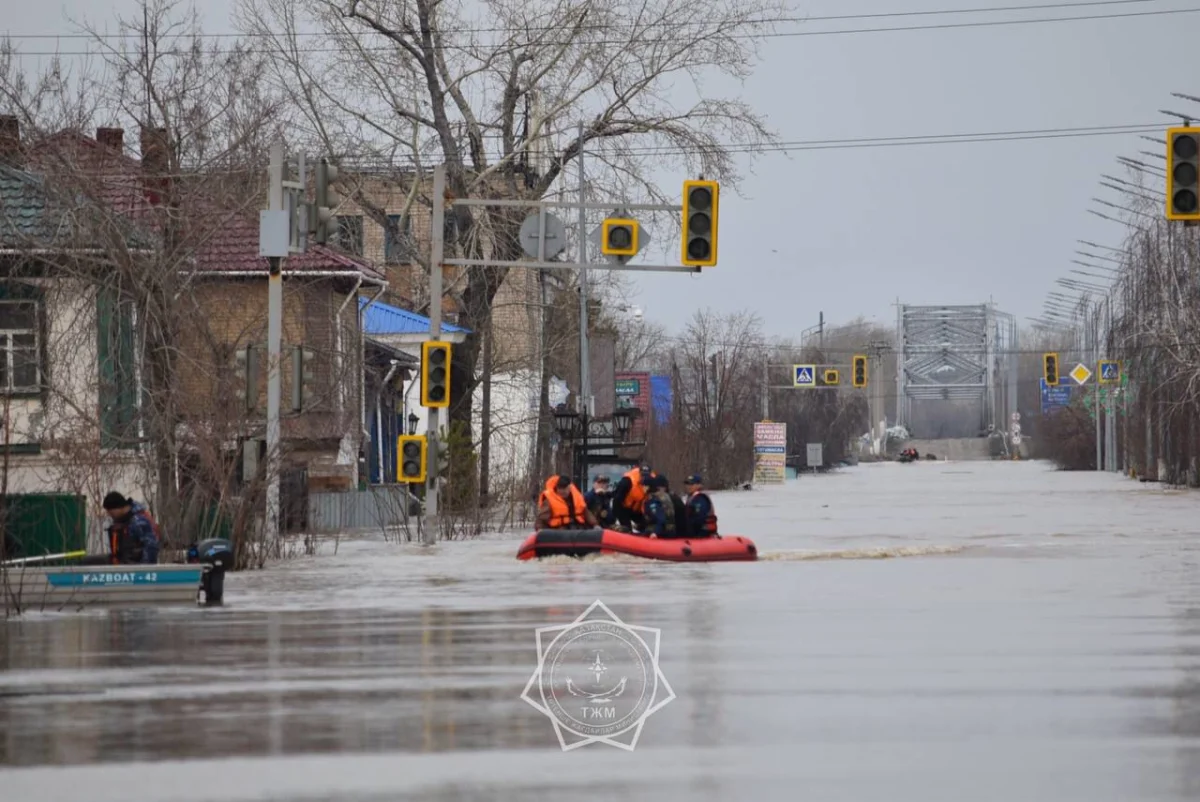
(804, 375)
(1110, 371)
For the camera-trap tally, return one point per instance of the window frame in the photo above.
(9, 351)
(350, 227)
(388, 245)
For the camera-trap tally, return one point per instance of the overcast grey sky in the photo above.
(848, 231)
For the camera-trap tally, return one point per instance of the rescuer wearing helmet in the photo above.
(629, 498)
(561, 506)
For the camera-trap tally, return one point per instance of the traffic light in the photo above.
(619, 237)
(302, 377)
(1050, 369)
(246, 377)
(700, 200)
(859, 379)
(1183, 174)
(832, 377)
(435, 374)
(325, 201)
(411, 449)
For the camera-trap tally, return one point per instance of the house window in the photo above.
(21, 365)
(393, 249)
(349, 236)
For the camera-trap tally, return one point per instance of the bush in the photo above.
(1069, 439)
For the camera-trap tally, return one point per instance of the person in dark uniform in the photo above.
(660, 510)
(599, 501)
(701, 518)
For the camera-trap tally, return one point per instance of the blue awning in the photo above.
(382, 318)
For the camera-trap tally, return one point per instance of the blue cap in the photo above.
(693, 479)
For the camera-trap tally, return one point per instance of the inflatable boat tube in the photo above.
(582, 542)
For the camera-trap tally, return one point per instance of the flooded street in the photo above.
(1035, 636)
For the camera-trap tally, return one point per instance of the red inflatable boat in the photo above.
(582, 542)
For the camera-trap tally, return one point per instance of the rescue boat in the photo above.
(582, 542)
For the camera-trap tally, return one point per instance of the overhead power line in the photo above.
(512, 29)
(669, 29)
(890, 141)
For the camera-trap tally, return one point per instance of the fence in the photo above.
(378, 507)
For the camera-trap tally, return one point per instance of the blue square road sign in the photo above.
(804, 375)
(1110, 371)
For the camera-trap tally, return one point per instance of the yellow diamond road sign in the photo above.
(1081, 374)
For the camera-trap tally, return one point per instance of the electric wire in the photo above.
(670, 30)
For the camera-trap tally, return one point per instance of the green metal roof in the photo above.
(31, 217)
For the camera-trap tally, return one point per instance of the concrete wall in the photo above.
(958, 448)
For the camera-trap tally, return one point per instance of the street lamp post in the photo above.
(575, 428)
(413, 420)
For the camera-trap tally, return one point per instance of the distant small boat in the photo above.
(582, 542)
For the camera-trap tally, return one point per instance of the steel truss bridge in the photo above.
(965, 354)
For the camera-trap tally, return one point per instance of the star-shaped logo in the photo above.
(598, 679)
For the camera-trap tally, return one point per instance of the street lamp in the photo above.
(565, 421)
(413, 420)
(623, 421)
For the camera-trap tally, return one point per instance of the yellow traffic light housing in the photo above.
(1183, 173)
(411, 453)
(832, 377)
(1050, 369)
(859, 379)
(435, 374)
(700, 208)
(619, 237)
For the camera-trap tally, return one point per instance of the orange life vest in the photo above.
(635, 499)
(562, 515)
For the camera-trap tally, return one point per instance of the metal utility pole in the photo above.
(1096, 387)
(274, 347)
(433, 467)
(766, 393)
(585, 378)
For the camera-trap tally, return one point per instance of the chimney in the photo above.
(10, 139)
(111, 138)
(155, 163)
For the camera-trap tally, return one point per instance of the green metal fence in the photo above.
(35, 525)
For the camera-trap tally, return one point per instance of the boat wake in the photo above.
(878, 553)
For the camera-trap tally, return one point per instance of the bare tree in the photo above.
(494, 95)
(206, 119)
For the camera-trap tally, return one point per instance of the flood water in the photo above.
(1031, 635)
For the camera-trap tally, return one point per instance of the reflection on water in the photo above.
(1073, 664)
(118, 688)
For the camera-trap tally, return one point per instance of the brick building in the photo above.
(517, 307)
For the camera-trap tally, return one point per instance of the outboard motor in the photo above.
(216, 555)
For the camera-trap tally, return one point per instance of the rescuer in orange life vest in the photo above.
(629, 498)
(561, 506)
